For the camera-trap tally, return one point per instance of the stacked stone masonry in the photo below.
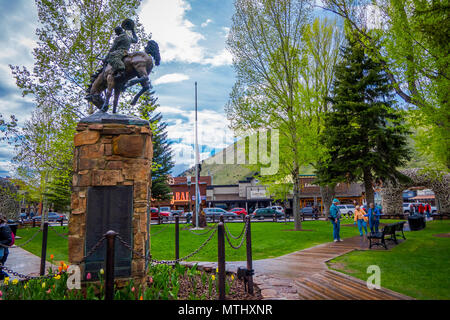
(111, 155)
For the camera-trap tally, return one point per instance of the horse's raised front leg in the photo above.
(110, 81)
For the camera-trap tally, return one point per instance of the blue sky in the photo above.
(191, 35)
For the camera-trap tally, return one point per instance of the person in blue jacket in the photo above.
(335, 216)
(374, 217)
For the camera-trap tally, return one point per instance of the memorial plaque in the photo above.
(109, 208)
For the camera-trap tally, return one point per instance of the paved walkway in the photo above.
(304, 275)
(24, 262)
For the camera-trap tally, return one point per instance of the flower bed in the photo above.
(163, 283)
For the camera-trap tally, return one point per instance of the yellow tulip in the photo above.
(213, 277)
(57, 277)
(232, 277)
(102, 271)
(217, 270)
(43, 285)
(15, 281)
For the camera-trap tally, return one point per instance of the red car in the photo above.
(239, 211)
(163, 214)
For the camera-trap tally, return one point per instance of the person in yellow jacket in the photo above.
(361, 220)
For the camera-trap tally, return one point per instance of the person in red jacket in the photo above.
(421, 209)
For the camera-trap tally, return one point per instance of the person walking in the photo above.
(428, 210)
(335, 217)
(361, 220)
(374, 218)
(315, 212)
(5, 242)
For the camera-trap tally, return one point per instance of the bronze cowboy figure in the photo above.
(122, 69)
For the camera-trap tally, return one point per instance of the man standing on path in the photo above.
(5, 242)
(335, 216)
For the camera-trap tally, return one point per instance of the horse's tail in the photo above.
(93, 77)
(152, 48)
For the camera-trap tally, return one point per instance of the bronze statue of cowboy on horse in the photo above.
(122, 69)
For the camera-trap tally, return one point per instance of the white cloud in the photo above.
(175, 34)
(204, 24)
(171, 77)
(223, 58)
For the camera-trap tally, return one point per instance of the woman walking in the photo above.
(335, 217)
(374, 218)
(361, 220)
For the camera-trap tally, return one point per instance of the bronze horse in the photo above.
(137, 65)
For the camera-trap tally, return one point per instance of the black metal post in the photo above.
(221, 259)
(177, 237)
(249, 255)
(44, 248)
(34, 223)
(62, 221)
(214, 218)
(109, 272)
(221, 218)
(159, 218)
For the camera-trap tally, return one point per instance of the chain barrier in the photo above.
(242, 240)
(27, 277)
(58, 233)
(23, 244)
(159, 231)
(240, 235)
(166, 261)
(202, 233)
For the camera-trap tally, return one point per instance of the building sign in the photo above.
(181, 196)
(258, 193)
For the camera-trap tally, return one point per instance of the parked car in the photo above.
(176, 212)
(52, 216)
(187, 215)
(346, 209)
(277, 208)
(217, 212)
(262, 213)
(239, 211)
(308, 212)
(406, 208)
(154, 213)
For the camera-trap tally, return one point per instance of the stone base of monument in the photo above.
(111, 184)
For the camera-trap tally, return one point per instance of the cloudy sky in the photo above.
(191, 35)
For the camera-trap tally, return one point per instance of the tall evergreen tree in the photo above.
(162, 153)
(365, 133)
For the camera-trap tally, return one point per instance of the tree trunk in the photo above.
(327, 193)
(295, 203)
(370, 195)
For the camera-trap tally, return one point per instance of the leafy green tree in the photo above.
(412, 43)
(162, 162)
(366, 134)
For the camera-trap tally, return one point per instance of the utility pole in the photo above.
(196, 162)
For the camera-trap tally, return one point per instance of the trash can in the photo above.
(416, 223)
(13, 227)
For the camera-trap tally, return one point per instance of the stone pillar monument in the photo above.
(111, 189)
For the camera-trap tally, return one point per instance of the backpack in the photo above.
(13, 237)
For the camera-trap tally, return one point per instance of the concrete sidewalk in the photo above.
(25, 263)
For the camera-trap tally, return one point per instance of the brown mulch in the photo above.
(189, 285)
(442, 235)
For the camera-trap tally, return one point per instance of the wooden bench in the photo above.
(388, 230)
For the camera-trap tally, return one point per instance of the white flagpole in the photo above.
(197, 197)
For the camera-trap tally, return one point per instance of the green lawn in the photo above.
(269, 240)
(419, 267)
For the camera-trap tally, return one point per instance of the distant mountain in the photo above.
(221, 173)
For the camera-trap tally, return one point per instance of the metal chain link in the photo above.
(93, 249)
(240, 235)
(27, 277)
(202, 233)
(159, 231)
(166, 261)
(23, 244)
(58, 233)
(242, 240)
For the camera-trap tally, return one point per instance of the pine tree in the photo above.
(365, 133)
(162, 162)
